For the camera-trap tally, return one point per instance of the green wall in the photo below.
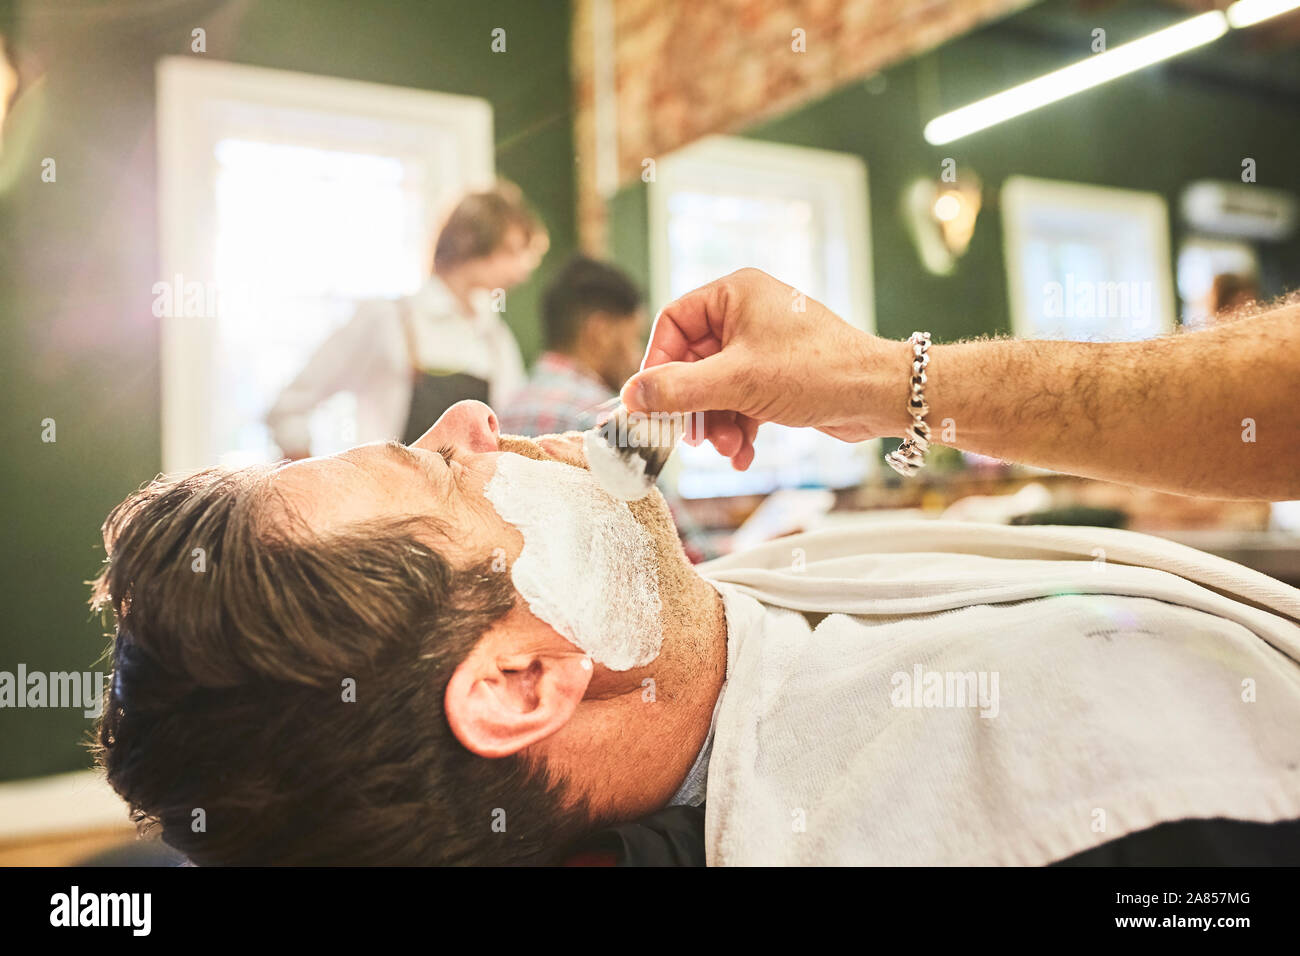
(78, 258)
(1155, 130)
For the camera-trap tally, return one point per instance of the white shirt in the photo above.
(368, 356)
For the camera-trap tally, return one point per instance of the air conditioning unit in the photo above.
(1242, 210)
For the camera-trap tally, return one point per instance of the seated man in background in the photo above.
(464, 651)
(593, 327)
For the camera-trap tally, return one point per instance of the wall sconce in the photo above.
(940, 219)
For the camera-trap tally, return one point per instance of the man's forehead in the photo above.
(330, 490)
(305, 473)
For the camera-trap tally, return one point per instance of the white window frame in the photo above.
(835, 182)
(186, 173)
(841, 176)
(1020, 194)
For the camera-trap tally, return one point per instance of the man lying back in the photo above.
(463, 651)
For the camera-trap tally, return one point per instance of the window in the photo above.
(799, 214)
(286, 199)
(1086, 262)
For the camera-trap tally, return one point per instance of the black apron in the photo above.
(432, 393)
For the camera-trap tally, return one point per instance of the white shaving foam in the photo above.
(587, 567)
(623, 477)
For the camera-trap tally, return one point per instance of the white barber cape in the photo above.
(986, 694)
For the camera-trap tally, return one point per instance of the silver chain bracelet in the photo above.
(910, 456)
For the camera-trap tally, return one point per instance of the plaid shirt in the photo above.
(559, 396)
(562, 396)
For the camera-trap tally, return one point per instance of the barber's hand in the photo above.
(739, 350)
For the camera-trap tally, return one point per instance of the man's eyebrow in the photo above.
(396, 449)
(399, 452)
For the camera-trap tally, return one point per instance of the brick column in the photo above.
(684, 69)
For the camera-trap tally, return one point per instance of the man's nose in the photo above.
(466, 426)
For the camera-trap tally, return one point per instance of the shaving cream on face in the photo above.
(622, 477)
(587, 568)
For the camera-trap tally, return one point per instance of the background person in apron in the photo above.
(408, 360)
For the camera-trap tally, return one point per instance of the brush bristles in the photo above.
(643, 443)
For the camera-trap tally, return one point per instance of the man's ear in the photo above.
(513, 690)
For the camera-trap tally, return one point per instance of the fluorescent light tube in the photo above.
(1243, 13)
(1080, 76)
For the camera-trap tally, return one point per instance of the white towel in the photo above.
(1137, 681)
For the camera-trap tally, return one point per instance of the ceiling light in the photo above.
(1243, 13)
(1080, 76)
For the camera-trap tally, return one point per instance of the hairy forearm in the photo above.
(1213, 413)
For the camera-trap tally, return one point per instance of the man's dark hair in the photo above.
(581, 287)
(241, 636)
